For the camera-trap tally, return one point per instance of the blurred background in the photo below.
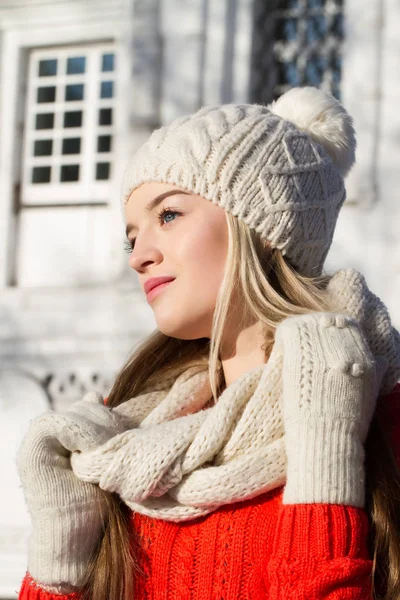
(82, 84)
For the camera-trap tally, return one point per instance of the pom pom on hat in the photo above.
(286, 188)
(324, 119)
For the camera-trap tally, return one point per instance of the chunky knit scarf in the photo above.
(182, 457)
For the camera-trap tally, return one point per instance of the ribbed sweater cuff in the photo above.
(325, 462)
(32, 590)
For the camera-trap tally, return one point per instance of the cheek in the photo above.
(202, 259)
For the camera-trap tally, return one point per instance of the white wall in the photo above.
(367, 235)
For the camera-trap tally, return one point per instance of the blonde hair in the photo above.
(259, 279)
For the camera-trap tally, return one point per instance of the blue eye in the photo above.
(167, 211)
(130, 244)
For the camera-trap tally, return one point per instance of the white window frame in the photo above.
(16, 42)
(86, 189)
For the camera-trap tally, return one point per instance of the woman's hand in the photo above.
(330, 386)
(67, 514)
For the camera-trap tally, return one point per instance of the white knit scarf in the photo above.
(181, 459)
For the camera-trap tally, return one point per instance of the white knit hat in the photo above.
(279, 168)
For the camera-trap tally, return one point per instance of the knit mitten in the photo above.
(330, 387)
(67, 514)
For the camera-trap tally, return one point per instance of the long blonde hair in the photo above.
(270, 290)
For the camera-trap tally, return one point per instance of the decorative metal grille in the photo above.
(295, 43)
(65, 388)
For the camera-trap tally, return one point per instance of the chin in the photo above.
(182, 330)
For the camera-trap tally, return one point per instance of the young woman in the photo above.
(247, 450)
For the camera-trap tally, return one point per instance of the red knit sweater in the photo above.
(255, 550)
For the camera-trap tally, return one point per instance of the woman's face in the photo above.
(189, 242)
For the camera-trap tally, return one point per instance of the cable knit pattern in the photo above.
(276, 177)
(177, 462)
(259, 549)
(185, 460)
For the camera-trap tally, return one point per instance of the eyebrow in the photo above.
(155, 202)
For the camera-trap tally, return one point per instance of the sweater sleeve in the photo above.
(31, 590)
(320, 552)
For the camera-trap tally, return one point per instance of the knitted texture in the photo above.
(177, 462)
(253, 550)
(330, 387)
(67, 514)
(350, 294)
(168, 456)
(284, 182)
(180, 467)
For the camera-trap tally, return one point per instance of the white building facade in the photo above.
(82, 84)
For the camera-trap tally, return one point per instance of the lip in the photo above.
(155, 281)
(157, 290)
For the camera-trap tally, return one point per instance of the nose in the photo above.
(143, 254)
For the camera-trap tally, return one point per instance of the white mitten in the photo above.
(330, 387)
(67, 514)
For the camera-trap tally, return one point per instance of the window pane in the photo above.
(288, 32)
(76, 65)
(288, 71)
(106, 90)
(107, 63)
(314, 71)
(105, 116)
(71, 146)
(43, 148)
(73, 118)
(102, 171)
(316, 28)
(104, 143)
(41, 174)
(316, 3)
(286, 29)
(70, 173)
(337, 26)
(46, 94)
(47, 68)
(74, 92)
(44, 121)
